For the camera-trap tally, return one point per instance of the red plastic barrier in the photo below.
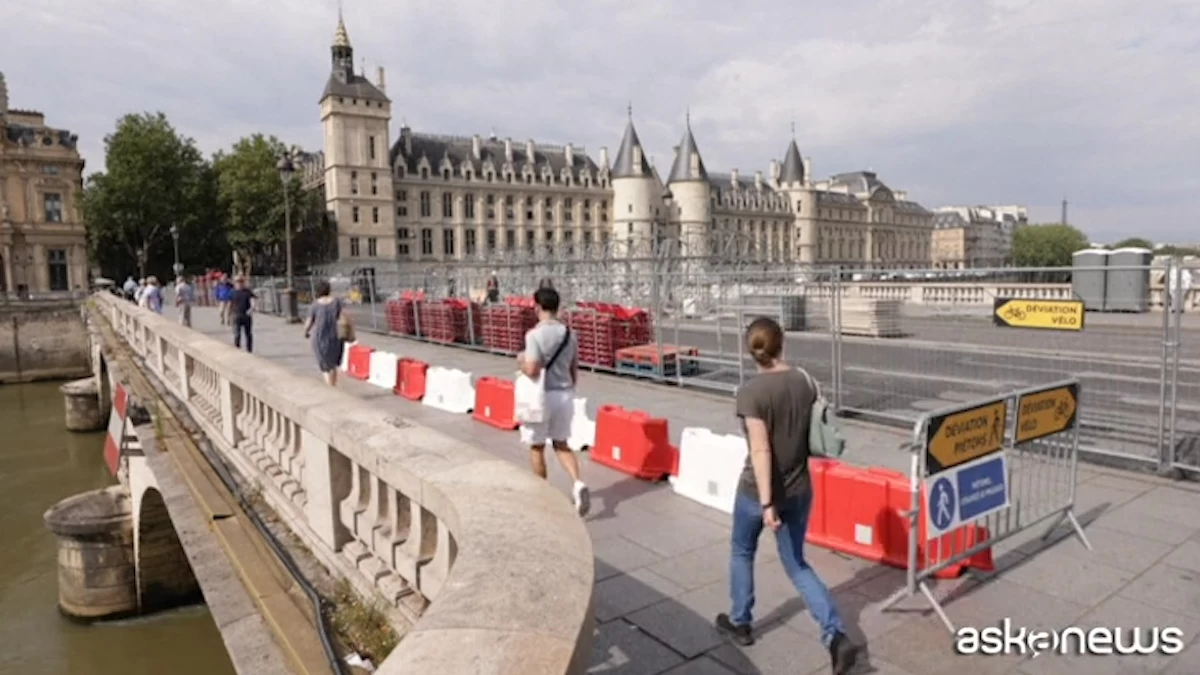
(359, 362)
(496, 403)
(410, 379)
(861, 512)
(634, 443)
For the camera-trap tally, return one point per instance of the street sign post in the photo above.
(958, 437)
(1046, 412)
(965, 493)
(1039, 314)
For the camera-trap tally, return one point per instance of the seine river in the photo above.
(41, 463)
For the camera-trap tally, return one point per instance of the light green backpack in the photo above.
(824, 437)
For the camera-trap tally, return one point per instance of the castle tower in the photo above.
(637, 197)
(795, 182)
(691, 193)
(355, 115)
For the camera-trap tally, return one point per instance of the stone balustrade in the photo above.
(489, 564)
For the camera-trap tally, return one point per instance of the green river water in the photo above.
(41, 463)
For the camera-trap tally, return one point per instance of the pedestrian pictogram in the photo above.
(962, 436)
(942, 505)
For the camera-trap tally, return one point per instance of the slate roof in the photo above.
(356, 86)
(681, 171)
(793, 165)
(458, 149)
(725, 181)
(859, 182)
(623, 166)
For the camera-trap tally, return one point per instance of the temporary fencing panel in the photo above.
(634, 443)
(710, 466)
(583, 428)
(449, 389)
(411, 379)
(495, 403)
(359, 366)
(383, 370)
(997, 467)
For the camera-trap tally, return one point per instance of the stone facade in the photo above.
(440, 198)
(43, 247)
(967, 237)
(42, 340)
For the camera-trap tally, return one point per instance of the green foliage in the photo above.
(1133, 242)
(154, 178)
(1048, 245)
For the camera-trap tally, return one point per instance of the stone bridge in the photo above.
(387, 504)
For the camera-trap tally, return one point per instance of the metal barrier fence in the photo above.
(1140, 366)
(986, 471)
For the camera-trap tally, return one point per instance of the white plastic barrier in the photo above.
(383, 370)
(583, 428)
(449, 389)
(346, 356)
(710, 466)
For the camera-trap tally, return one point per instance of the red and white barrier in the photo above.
(346, 356)
(118, 429)
(710, 466)
(583, 428)
(449, 389)
(383, 370)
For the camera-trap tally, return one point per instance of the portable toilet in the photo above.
(1089, 277)
(1127, 288)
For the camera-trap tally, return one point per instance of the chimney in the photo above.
(901, 195)
(604, 158)
(406, 136)
(3, 96)
(774, 171)
(569, 151)
(477, 147)
(758, 183)
(508, 156)
(733, 177)
(530, 152)
(381, 80)
(808, 175)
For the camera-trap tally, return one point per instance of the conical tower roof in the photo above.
(340, 37)
(682, 169)
(625, 166)
(793, 165)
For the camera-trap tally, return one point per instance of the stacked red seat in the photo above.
(503, 327)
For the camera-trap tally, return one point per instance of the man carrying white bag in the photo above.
(544, 393)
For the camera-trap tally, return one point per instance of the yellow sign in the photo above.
(959, 437)
(1042, 314)
(1046, 412)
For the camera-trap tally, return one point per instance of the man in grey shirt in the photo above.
(185, 297)
(552, 352)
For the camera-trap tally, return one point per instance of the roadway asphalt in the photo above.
(952, 360)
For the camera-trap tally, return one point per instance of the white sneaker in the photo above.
(583, 498)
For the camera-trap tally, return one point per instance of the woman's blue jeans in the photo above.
(747, 526)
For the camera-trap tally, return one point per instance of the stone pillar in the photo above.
(82, 399)
(96, 569)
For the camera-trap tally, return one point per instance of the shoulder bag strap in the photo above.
(561, 346)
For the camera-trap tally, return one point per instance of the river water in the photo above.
(41, 463)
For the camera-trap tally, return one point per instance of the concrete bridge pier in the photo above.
(83, 408)
(96, 572)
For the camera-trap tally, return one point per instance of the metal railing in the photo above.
(388, 504)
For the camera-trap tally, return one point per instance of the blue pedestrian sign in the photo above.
(966, 493)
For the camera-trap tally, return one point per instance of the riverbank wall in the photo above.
(42, 340)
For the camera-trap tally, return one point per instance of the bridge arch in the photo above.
(164, 575)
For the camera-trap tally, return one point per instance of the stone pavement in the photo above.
(662, 561)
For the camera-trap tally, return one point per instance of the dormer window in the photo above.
(446, 174)
(468, 174)
(424, 173)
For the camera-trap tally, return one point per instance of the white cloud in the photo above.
(1003, 101)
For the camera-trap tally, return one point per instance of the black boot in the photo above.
(842, 654)
(738, 633)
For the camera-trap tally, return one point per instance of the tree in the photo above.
(154, 178)
(250, 197)
(1134, 242)
(1048, 245)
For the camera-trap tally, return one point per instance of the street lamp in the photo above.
(141, 260)
(286, 170)
(178, 267)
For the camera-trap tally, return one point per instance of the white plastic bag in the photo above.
(530, 398)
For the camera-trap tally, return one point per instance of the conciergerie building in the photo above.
(428, 198)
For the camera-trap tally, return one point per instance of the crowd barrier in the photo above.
(345, 367)
(411, 379)
(495, 403)
(359, 365)
(634, 443)
(710, 466)
(449, 389)
(583, 428)
(383, 370)
(999, 466)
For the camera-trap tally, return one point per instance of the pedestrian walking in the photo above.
(185, 297)
(329, 329)
(493, 289)
(130, 289)
(551, 358)
(152, 295)
(139, 292)
(242, 302)
(775, 491)
(224, 295)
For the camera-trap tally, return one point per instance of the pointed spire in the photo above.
(631, 159)
(340, 37)
(793, 165)
(688, 164)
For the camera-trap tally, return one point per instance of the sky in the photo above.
(958, 102)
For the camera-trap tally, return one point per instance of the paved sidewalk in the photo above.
(662, 561)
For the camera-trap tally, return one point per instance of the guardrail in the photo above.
(460, 541)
